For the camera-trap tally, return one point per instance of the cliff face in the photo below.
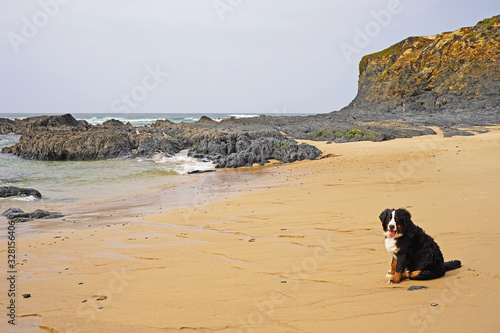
(457, 70)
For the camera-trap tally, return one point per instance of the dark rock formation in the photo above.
(42, 123)
(60, 145)
(12, 191)
(244, 152)
(457, 70)
(205, 119)
(7, 126)
(228, 145)
(239, 148)
(113, 123)
(17, 215)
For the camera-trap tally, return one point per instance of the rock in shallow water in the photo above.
(200, 171)
(17, 215)
(244, 150)
(12, 191)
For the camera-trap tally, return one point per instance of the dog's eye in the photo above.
(396, 218)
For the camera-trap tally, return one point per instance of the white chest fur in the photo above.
(390, 245)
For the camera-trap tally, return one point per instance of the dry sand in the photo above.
(301, 251)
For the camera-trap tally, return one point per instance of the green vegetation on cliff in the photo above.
(458, 69)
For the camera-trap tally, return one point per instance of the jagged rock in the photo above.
(160, 123)
(42, 123)
(246, 153)
(12, 191)
(17, 215)
(11, 212)
(7, 126)
(148, 143)
(205, 119)
(113, 123)
(64, 145)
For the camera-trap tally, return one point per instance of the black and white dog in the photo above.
(415, 255)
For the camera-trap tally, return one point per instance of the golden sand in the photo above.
(301, 251)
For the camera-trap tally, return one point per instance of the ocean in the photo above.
(141, 119)
(83, 183)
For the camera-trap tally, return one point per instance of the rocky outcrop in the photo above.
(457, 70)
(12, 191)
(7, 126)
(17, 215)
(64, 138)
(42, 123)
(244, 150)
(61, 145)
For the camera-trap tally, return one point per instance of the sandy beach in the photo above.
(289, 248)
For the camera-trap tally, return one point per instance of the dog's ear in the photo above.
(384, 214)
(407, 223)
(406, 215)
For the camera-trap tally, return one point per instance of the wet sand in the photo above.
(300, 249)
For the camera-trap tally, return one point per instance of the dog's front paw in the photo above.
(389, 275)
(396, 278)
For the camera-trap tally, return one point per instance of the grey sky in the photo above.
(204, 56)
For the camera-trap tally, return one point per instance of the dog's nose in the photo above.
(391, 227)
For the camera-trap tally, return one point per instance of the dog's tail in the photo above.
(453, 264)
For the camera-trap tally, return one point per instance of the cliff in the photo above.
(457, 70)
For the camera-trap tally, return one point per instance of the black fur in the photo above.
(417, 251)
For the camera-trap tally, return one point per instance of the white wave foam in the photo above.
(97, 120)
(27, 199)
(138, 121)
(238, 116)
(183, 164)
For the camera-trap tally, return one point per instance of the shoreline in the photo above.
(187, 191)
(302, 250)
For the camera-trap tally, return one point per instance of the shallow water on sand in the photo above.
(90, 182)
(118, 189)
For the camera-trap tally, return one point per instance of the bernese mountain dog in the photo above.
(415, 255)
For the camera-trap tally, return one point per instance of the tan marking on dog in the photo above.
(414, 274)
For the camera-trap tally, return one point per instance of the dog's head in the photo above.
(396, 222)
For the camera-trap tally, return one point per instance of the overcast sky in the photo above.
(204, 56)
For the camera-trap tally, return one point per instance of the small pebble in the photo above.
(283, 281)
(434, 304)
(100, 307)
(26, 295)
(84, 301)
(416, 288)
(252, 240)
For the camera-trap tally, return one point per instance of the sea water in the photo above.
(86, 182)
(74, 183)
